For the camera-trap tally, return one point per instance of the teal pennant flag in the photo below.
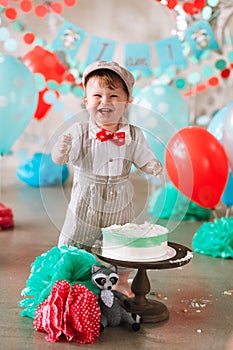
(201, 37)
(100, 49)
(69, 39)
(137, 57)
(169, 52)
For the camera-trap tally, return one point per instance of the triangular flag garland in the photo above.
(173, 54)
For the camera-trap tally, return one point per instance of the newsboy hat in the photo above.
(125, 75)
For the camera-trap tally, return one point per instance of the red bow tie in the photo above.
(117, 137)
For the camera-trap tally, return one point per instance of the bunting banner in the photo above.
(170, 52)
(69, 39)
(137, 57)
(200, 40)
(100, 49)
(201, 37)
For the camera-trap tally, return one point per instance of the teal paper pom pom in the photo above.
(59, 263)
(215, 238)
(169, 203)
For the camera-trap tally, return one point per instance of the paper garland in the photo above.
(171, 53)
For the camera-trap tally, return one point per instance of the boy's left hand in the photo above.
(153, 167)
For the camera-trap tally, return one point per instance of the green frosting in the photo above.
(169, 203)
(144, 242)
(59, 263)
(215, 238)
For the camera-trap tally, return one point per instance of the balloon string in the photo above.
(1, 157)
(215, 214)
(228, 212)
(192, 106)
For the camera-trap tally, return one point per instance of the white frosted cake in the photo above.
(132, 242)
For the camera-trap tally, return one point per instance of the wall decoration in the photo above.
(170, 52)
(201, 37)
(188, 60)
(100, 49)
(40, 60)
(137, 57)
(69, 39)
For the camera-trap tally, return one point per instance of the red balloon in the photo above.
(42, 106)
(40, 60)
(197, 165)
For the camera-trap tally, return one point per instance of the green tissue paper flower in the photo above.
(215, 238)
(58, 263)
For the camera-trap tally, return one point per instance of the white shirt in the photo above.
(107, 156)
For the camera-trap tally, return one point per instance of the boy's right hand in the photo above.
(65, 144)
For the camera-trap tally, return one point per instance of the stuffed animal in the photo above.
(110, 301)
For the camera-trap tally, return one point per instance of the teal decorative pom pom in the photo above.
(59, 263)
(215, 238)
(169, 203)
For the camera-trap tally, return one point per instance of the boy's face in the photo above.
(106, 105)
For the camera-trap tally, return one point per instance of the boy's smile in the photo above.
(105, 111)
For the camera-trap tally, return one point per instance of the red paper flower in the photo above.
(73, 312)
(6, 217)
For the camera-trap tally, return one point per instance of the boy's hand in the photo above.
(153, 167)
(65, 144)
(157, 168)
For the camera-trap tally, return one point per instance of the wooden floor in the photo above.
(196, 295)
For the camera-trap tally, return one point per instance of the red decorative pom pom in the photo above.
(6, 217)
(72, 311)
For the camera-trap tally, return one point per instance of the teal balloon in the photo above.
(227, 197)
(160, 111)
(215, 127)
(18, 100)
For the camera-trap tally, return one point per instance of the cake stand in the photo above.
(150, 310)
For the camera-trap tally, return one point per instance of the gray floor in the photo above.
(200, 309)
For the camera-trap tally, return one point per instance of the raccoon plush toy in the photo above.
(112, 312)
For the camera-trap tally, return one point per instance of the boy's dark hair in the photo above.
(108, 78)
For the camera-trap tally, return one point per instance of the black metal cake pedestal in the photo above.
(150, 310)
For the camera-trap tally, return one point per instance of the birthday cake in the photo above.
(133, 242)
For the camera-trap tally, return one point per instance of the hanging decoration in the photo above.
(69, 39)
(201, 37)
(199, 33)
(100, 48)
(40, 60)
(170, 53)
(40, 10)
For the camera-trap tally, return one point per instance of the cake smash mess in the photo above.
(102, 151)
